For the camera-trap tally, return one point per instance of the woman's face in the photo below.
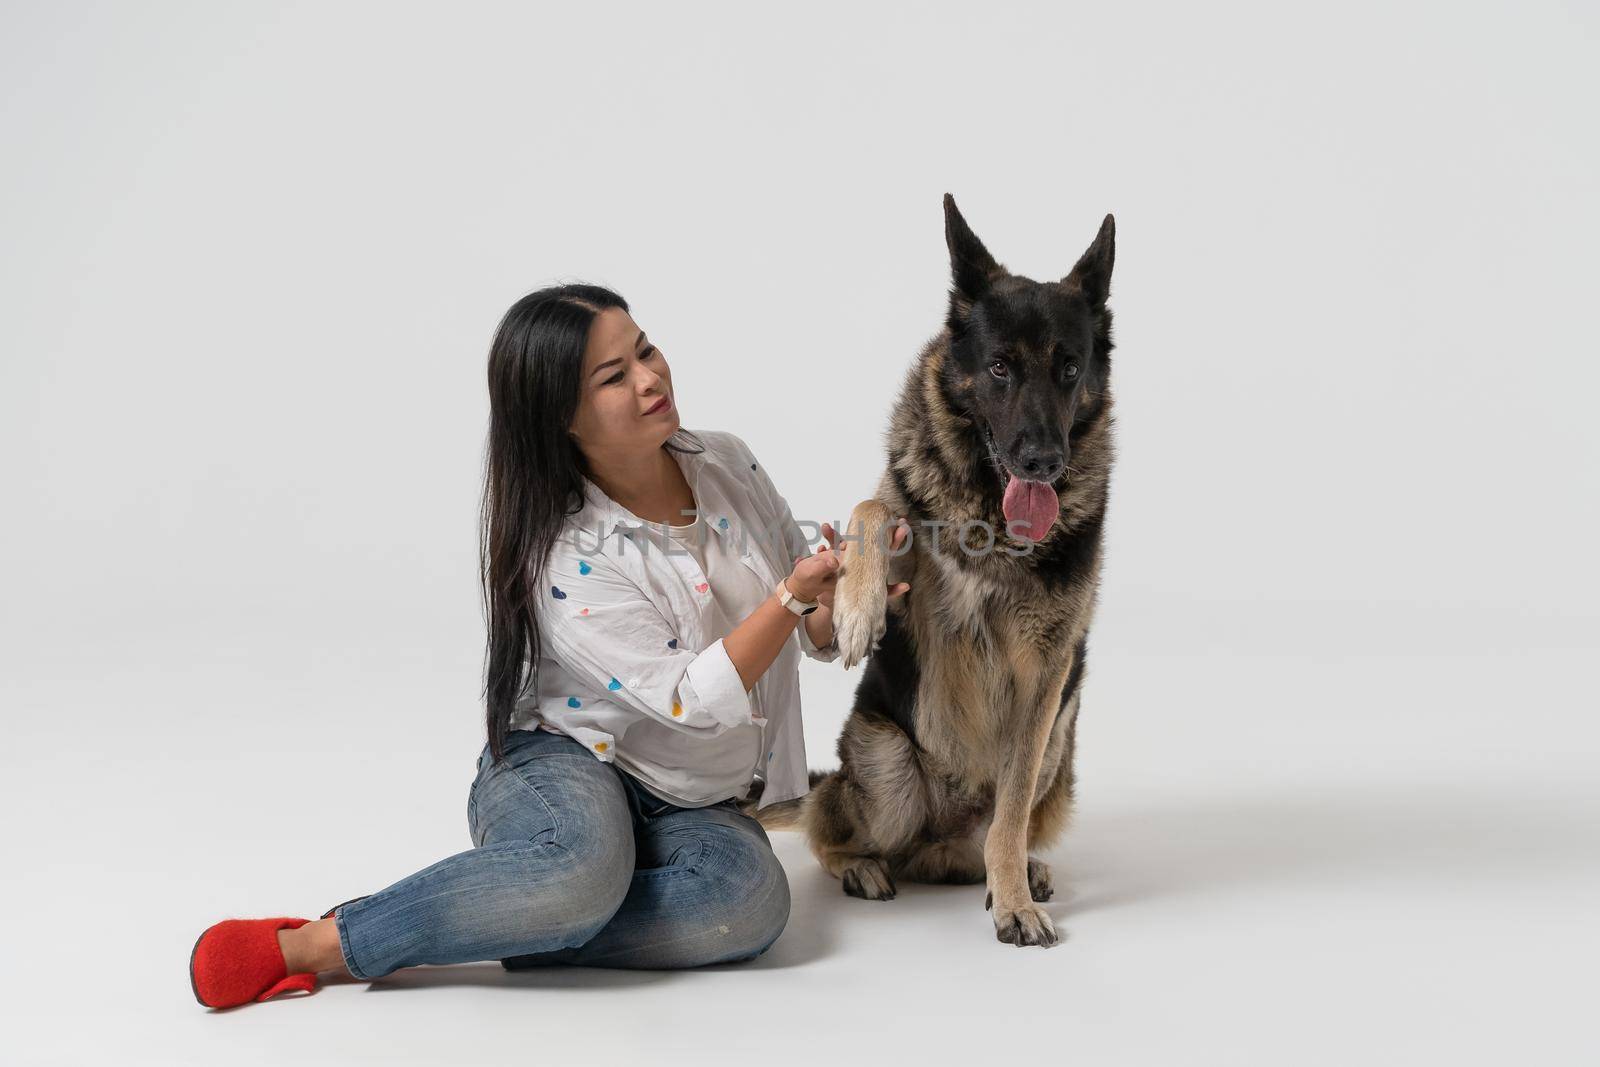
(624, 378)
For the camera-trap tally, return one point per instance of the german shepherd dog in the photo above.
(956, 759)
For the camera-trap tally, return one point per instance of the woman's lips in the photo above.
(662, 405)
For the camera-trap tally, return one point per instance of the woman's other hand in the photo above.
(833, 548)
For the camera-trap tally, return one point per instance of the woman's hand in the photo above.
(825, 597)
(814, 577)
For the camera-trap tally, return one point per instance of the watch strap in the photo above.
(792, 602)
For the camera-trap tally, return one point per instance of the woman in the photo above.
(656, 578)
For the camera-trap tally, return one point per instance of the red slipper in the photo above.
(238, 960)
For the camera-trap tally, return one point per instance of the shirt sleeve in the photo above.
(826, 654)
(619, 646)
(795, 542)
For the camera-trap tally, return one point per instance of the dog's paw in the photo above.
(1040, 886)
(860, 614)
(1024, 924)
(867, 878)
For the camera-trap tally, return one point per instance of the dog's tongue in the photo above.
(1032, 502)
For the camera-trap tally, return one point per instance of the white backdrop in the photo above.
(1338, 746)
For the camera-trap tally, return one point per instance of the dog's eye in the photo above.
(1071, 371)
(998, 368)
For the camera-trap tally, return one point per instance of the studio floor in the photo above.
(1295, 855)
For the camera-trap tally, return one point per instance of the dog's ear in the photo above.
(972, 269)
(1092, 274)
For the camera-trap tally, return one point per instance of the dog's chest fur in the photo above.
(986, 650)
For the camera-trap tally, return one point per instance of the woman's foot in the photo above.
(313, 947)
(236, 961)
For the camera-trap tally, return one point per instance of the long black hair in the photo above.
(533, 475)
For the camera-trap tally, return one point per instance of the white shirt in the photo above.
(633, 664)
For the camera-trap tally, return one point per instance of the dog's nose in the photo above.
(1041, 464)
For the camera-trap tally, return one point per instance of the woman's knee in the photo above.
(573, 874)
(593, 883)
(773, 914)
(752, 893)
(565, 891)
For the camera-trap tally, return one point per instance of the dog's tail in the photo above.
(785, 814)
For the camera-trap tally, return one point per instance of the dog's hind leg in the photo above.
(875, 807)
(838, 840)
(956, 861)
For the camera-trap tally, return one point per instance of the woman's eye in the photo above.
(998, 368)
(646, 354)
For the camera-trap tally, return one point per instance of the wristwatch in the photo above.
(792, 602)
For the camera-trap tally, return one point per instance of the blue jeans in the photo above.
(576, 863)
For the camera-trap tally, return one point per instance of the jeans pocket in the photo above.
(485, 760)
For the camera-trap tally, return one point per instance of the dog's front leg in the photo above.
(1017, 919)
(860, 600)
